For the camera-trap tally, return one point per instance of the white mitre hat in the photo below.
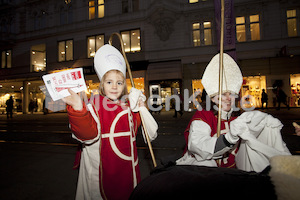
(232, 76)
(108, 58)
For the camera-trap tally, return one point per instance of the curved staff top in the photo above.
(132, 84)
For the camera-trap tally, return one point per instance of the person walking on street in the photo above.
(281, 98)
(264, 99)
(9, 107)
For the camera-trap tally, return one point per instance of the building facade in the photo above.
(168, 44)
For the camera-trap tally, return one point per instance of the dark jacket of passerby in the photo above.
(9, 107)
(264, 96)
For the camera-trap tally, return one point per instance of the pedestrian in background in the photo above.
(281, 98)
(264, 99)
(9, 107)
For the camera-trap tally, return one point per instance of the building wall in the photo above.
(166, 35)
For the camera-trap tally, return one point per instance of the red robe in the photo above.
(118, 172)
(212, 120)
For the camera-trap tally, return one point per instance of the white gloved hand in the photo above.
(237, 127)
(135, 96)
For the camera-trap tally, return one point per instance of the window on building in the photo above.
(40, 20)
(202, 32)
(254, 27)
(130, 6)
(291, 22)
(66, 15)
(100, 8)
(207, 33)
(38, 58)
(196, 34)
(65, 50)
(125, 8)
(6, 59)
(96, 9)
(93, 44)
(135, 5)
(92, 10)
(132, 40)
(247, 28)
(193, 1)
(240, 29)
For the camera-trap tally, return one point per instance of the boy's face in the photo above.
(113, 85)
(227, 99)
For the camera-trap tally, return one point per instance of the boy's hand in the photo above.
(73, 100)
(141, 102)
(297, 128)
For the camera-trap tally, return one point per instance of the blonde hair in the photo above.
(101, 86)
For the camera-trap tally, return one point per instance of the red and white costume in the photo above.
(109, 164)
(203, 145)
(201, 139)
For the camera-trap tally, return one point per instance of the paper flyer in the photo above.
(58, 83)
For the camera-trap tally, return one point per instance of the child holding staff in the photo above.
(107, 129)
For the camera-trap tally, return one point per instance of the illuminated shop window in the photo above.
(251, 90)
(202, 32)
(138, 83)
(295, 90)
(65, 50)
(96, 8)
(93, 44)
(132, 40)
(38, 58)
(6, 59)
(247, 28)
(291, 23)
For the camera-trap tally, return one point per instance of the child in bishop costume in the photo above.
(246, 142)
(107, 129)
(203, 147)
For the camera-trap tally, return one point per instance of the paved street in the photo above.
(37, 151)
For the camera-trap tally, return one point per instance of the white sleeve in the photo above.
(200, 142)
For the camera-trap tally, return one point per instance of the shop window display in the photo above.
(252, 90)
(295, 90)
(166, 91)
(197, 92)
(138, 84)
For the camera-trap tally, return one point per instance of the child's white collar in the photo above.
(226, 115)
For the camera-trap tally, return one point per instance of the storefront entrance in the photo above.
(251, 90)
(165, 89)
(16, 90)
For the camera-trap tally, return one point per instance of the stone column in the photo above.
(25, 97)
